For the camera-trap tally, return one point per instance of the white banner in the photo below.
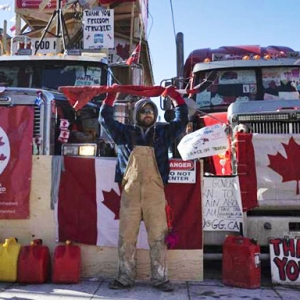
(204, 142)
(98, 31)
(221, 204)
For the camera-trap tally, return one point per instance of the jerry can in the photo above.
(66, 263)
(34, 263)
(241, 262)
(9, 253)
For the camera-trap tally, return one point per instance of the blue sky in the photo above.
(211, 24)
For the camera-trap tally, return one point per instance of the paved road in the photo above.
(97, 288)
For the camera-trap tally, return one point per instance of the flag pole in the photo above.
(141, 37)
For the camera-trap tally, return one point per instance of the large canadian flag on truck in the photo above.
(268, 167)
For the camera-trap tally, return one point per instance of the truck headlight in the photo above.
(79, 149)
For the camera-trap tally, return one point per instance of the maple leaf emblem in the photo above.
(112, 202)
(287, 167)
(122, 51)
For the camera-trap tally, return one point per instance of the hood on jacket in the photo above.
(140, 104)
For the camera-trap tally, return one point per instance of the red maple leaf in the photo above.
(287, 167)
(112, 202)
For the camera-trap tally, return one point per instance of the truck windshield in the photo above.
(51, 74)
(280, 83)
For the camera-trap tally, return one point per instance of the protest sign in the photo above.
(221, 203)
(204, 142)
(98, 31)
(285, 260)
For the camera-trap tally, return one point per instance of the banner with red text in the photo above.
(16, 127)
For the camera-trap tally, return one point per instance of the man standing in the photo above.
(143, 170)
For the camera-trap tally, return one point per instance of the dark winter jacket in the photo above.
(160, 136)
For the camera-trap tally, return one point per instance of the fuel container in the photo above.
(66, 263)
(241, 262)
(9, 253)
(34, 263)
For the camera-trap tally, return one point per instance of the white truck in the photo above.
(256, 94)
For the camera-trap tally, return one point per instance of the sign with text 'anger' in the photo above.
(285, 260)
(221, 203)
(98, 31)
(182, 171)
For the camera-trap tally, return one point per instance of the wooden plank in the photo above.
(103, 261)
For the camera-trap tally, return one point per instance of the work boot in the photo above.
(165, 287)
(117, 285)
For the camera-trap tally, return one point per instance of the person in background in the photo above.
(143, 170)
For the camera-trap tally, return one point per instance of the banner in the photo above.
(88, 206)
(267, 167)
(16, 128)
(35, 4)
(204, 142)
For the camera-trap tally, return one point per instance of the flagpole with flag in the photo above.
(135, 55)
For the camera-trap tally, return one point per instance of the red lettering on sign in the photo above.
(181, 165)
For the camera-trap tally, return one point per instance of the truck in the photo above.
(255, 94)
(30, 101)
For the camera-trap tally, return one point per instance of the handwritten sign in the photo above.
(222, 205)
(204, 142)
(285, 260)
(182, 171)
(98, 31)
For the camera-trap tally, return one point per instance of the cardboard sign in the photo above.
(182, 171)
(221, 204)
(285, 260)
(204, 142)
(98, 31)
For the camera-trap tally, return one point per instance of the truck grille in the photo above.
(37, 121)
(274, 127)
(272, 123)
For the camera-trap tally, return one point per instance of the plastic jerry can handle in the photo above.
(9, 241)
(36, 242)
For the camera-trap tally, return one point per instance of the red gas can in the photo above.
(241, 263)
(34, 263)
(66, 264)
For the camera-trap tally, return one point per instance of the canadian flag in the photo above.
(135, 56)
(87, 210)
(268, 167)
(64, 136)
